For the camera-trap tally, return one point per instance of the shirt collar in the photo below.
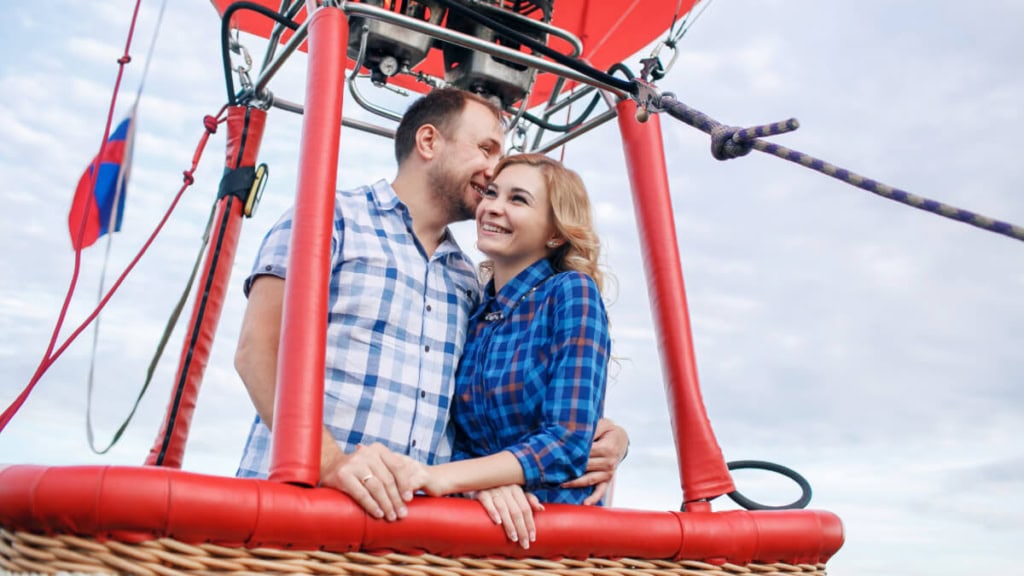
(387, 199)
(516, 290)
(384, 195)
(449, 245)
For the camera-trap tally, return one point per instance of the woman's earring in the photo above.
(553, 243)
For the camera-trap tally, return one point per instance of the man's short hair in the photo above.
(441, 108)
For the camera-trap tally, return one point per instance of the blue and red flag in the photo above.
(103, 205)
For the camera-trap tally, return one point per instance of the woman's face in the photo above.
(513, 220)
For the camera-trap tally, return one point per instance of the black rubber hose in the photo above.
(225, 40)
(539, 47)
(805, 487)
(567, 127)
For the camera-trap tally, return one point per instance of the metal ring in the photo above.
(367, 478)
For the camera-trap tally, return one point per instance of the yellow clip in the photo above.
(256, 192)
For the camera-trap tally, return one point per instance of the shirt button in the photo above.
(423, 393)
(429, 308)
(414, 443)
(426, 348)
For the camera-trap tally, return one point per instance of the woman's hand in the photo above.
(512, 508)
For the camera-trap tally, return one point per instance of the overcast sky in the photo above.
(875, 348)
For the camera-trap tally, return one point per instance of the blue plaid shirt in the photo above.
(532, 378)
(396, 328)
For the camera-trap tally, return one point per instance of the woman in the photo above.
(531, 380)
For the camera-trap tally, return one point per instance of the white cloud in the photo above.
(872, 347)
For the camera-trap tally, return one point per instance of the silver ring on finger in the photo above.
(366, 478)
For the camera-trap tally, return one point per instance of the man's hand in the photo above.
(378, 480)
(609, 448)
(512, 508)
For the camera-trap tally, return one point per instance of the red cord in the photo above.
(210, 123)
(93, 170)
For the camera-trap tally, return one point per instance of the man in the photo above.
(400, 297)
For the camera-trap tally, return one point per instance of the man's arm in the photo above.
(256, 358)
(256, 363)
(610, 445)
(256, 354)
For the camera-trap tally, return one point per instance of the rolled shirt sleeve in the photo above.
(573, 397)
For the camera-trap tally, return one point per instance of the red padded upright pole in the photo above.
(298, 406)
(169, 447)
(702, 470)
(245, 133)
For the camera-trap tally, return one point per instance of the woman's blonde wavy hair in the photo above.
(571, 214)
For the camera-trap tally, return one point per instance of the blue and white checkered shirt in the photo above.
(532, 378)
(396, 328)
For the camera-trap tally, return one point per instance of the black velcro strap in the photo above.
(237, 182)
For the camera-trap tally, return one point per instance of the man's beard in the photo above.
(449, 191)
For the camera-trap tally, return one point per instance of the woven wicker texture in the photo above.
(22, 552)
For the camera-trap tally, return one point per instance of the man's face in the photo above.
(466, 162)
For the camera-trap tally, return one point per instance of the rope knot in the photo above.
(188, 177)
(124, 59)
(724, 144)
(210, 123)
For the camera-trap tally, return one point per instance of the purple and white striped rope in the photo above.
(730, 142)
